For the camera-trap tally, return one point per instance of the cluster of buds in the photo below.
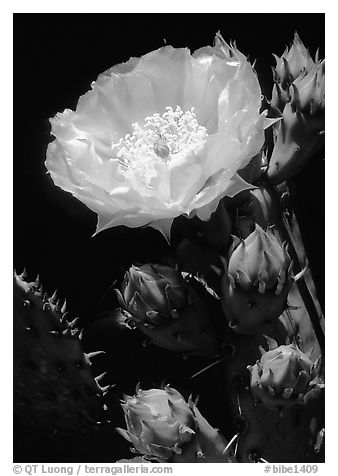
(168, 309)
(298, 94)
(162, 426)
(284, 376)
(256, 281)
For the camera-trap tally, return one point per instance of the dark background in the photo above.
(56, 57)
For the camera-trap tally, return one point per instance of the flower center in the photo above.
(161, 140)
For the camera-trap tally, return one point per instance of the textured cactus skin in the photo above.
(211, 445)
(185, 336)
(54, 389)
(293, 434)
(193, 330)
(301, 140)
(252, 308)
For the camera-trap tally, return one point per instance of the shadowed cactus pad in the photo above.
(54, 389)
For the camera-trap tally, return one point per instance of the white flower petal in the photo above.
(163, 226)
(128, 98)
(166, 70)
(186, 179)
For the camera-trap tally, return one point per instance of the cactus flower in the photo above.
(162, 426)
(168, 309)
(299, 94)
(284, 376)
(160, 136)
(256, 282)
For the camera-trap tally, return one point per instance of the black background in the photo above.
(56, 57)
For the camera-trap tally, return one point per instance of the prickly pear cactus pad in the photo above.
(54, 388)
(174, 197)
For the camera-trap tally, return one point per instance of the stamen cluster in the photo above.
(161, 138)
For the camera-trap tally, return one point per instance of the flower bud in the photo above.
(168, 309)
(284, 376)
(162, 426)
(293, 62)
(152, 292)
(158, 422)
(299, 94)
(256, 281)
